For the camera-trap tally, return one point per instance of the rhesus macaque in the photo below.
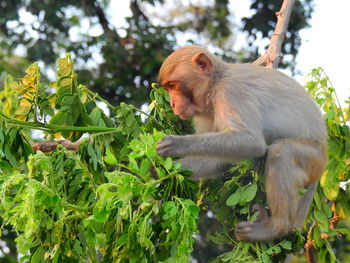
(244, 111)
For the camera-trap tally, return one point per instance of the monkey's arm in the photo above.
(233, 146)
(204, 167)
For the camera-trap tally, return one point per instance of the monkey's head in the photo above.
(187, 74)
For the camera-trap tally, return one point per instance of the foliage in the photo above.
(240, 192)
(116, 200)
(331, 208)
(130, 53)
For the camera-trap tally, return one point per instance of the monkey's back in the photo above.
(285, 109)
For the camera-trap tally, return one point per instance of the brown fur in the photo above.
(243, 111)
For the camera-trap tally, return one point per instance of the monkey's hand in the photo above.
(204, 167)
(171, 146)
(192, 164)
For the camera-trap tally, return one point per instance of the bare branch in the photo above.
(47, 147)
(97, 10)
(273, 56)
(310, 252)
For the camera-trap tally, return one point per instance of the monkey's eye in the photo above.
(171, 85)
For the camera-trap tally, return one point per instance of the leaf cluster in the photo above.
(231, 203)
(330, 210)
(115, 200)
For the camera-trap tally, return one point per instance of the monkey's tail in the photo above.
(304, 204)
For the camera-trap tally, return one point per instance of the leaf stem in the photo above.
(95, 95)
(75, 207)
(335, 94)
(54, 128)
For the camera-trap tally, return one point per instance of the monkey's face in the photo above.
(186, 76)
(181, 100)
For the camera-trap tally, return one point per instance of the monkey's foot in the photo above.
(250, 231)
(257, 230)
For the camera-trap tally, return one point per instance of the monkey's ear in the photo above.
(202, 63)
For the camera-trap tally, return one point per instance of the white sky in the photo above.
(327, 44)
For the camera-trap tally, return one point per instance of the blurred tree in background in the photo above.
(118, 62)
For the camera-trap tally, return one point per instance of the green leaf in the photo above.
(101, 214)
(286, 244)
(130, 119)
(77, 247)
(168, 163)
(59, 118)
(330, 251)
(302, 191)
(110, 158)
(145, 167)
(133, 165)
(38, 255)
(234, 198)
(158, 98)
(322, 219)
(317, 199)
(249, 192)
(330, 184)
(9, 156)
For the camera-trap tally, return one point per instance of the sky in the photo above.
(325, 44)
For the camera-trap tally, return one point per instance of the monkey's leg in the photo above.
(304, 203)
(291, 165)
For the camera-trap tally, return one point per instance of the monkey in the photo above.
(245, 111)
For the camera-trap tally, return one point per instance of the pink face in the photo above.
(180, 100)
(187, 81)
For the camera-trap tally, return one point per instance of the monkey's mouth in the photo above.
(183, 114)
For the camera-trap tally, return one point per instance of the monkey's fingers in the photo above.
(163, 151)
(243, 230)
(262, 212)
(163, 147)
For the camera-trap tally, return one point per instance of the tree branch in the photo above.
(47, 147)
(309, 252)
(273, 56)
(136, 10)
(103, 20)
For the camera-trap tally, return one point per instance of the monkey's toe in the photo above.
(262, 212)
(255, 231)
(244, 230)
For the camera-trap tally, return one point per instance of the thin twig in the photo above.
(334, 220)
(310, 252)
